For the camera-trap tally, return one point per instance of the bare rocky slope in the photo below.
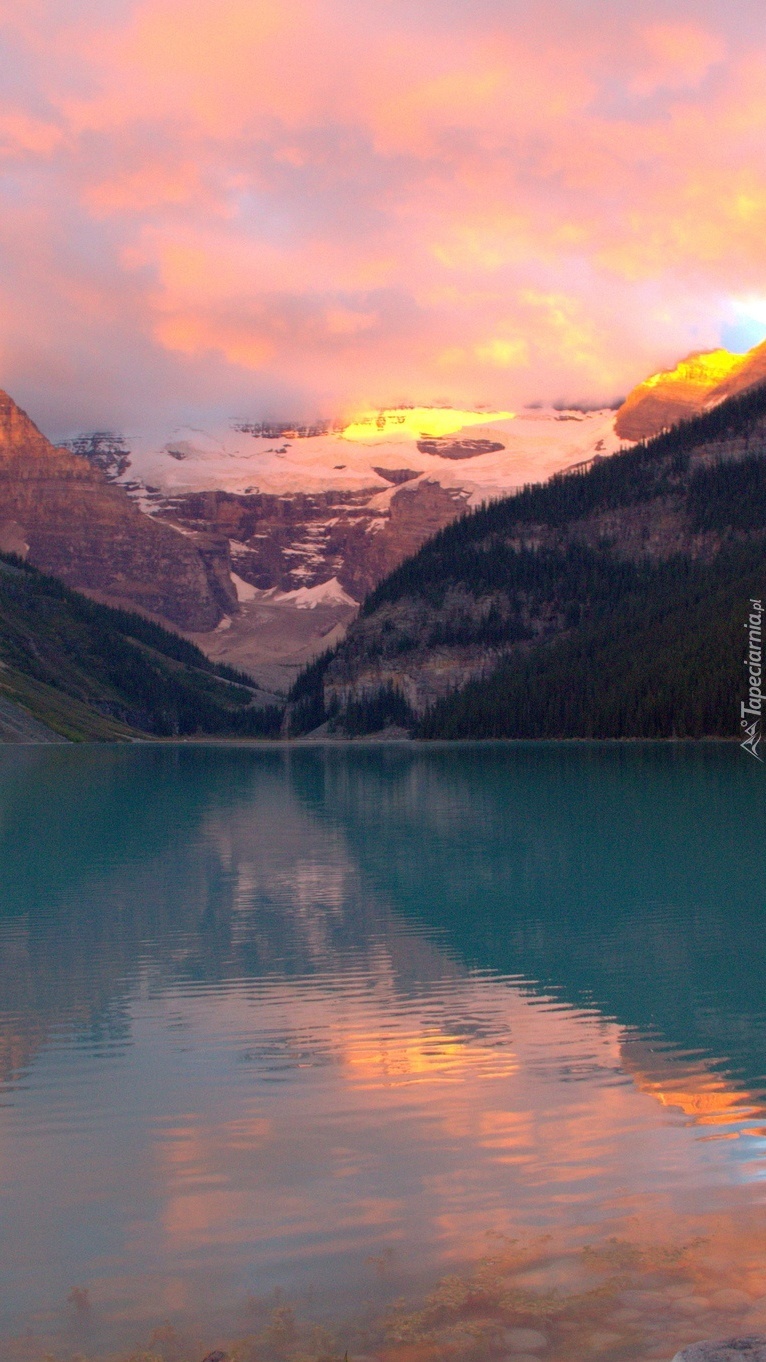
(61, 512)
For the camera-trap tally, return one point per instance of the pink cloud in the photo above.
(225, 203)
(679, 56)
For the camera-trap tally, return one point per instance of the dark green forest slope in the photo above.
(609, 602)
(89, 672)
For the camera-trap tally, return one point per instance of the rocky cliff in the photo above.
(61, 512)
(304, 539)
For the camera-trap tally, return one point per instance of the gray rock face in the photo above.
(458, 449)
(740, 1348)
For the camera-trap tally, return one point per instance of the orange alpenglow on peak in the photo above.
(699, 382)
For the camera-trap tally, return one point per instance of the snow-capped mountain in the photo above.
(297, 522)
(480, 453)
(309, 519)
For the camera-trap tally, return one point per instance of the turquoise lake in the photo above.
(307, 1029)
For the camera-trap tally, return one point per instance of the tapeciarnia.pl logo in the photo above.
(752, 709)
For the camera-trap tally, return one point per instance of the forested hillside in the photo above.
(88, 672)
(609, 602)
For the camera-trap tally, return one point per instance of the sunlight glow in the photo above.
(417, 422)
(702, 370)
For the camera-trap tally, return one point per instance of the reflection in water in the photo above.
(325, 1020)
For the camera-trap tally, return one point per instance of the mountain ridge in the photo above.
(696, 384)
(647, 534)
(76, 670)
(227, 537)
(60, 511)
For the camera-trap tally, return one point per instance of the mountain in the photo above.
(76, 670)
(296, 507)
(698, 383)
(608, 602)
(301, 506)
(258, 540)
(60, 511)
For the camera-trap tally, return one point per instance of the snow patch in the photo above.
(535, 445)
(245, 592)
(309, 597)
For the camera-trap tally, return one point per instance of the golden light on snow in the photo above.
(702, 370)
(419, 423)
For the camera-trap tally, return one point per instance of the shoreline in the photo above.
(279, 744)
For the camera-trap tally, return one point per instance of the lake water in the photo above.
(288, 1036)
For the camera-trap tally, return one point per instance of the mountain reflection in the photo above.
(266, 1014)
(626, 879)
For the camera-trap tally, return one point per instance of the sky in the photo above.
(292, 208)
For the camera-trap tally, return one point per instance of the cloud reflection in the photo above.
(240, 1055)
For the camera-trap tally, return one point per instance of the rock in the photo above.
(744, 1348)
(18, 431)
(301, 539)
(64, 515)
(12, 539)
(459, 449)
(216, 1356)
(524, 1340)
(675, 395)
(396, 475)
